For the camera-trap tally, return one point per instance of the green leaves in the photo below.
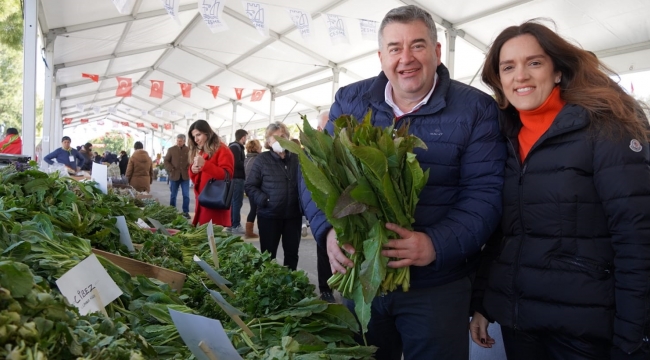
(16, 278)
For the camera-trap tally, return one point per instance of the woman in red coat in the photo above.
(210, 159)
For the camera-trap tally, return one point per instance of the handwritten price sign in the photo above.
(88, 286)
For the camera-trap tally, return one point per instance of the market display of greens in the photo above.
(362, 178)
(49, 224)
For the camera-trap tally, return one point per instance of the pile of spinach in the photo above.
(362, 178)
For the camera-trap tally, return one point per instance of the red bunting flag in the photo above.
(154, 125)
(632, 87)
(186, 89)
(67, 121)
(168, 126)
(140, 125)
(214, 89)
(124, 87)
(257, 95)
(239, 91)
(93, 77)
(157, 89)
(124, 123)
(84, 121)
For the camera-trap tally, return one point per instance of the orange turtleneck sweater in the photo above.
(536, 122)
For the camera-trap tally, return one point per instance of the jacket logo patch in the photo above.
(635, 145)
(436, 132)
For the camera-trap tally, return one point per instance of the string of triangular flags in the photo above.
(155, 126)
(125, 87)
(212, 14)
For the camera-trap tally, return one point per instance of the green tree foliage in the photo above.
(113, 142)
(11, 24)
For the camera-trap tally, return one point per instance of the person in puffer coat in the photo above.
(139, 170)
(570, 277)
(459, 207)
(272, 184)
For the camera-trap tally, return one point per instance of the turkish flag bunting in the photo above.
(238, 91)
(168, 126)
(124, 87)
(186, 89)
(140, 124)
(154, 125)
(67, 121)
(157, 89)
(84, 121)
(257, 95)
(124, 123)
(214, 89)
(93, 77)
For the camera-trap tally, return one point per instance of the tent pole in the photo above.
(451, 35)
(234, 120)
(48, 101)
(335, 82)
(30, 47)
(272, 109)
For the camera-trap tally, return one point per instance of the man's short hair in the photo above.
(12, 131)
(138, 145)
(65, 138)
(408, 14)
(240, 134)
(181, 136)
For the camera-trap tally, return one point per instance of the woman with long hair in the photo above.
(272, 185)
(209, 159)
(253, 148)
(569, 277)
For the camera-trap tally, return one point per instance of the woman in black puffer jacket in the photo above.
(570, 277)
(272, 185)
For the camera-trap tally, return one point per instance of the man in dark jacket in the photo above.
(460, 205)
(176, 163)
(238, 179)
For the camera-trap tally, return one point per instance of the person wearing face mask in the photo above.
(272, 185)
(569, 277)
(209, 158)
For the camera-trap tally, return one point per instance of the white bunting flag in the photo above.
(80, 107)
(127, 110)
(336, 29)
(112, 110)
(159, 113)
(96, 109)
(302, 20)
(123, 6)
(188, 114)
(211, 11)
(257, 14)
(174, 113)
(100, 123)
(368, 29)
(171, 6)
(143, 112)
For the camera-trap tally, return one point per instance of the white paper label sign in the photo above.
(88, 286)
(195, 330)
(125, 236)
(100, 175)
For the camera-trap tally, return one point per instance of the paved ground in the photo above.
(307, 262)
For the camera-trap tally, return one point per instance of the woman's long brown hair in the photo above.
(585, 81)
(211, 144)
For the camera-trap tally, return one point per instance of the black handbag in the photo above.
(217, 194)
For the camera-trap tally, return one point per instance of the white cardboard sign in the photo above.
(100, 175)
(88, 286)
(125, 236)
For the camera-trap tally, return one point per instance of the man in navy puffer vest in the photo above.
(459, 207)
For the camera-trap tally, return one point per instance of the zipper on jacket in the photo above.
(586, 265)
(523, 229)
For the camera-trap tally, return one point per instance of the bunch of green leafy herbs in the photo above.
(362, 178)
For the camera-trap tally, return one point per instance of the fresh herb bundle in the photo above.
(362, 178)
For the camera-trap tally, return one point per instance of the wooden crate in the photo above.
(135, 267)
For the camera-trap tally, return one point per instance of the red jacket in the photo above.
(7, 146)
(214, 168)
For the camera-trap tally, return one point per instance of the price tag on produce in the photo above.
(158, 226)
(214, 276)
(232, 311)
(213, 245)
(100, 175)
(125, 236)
(205, 337)
(88, 286)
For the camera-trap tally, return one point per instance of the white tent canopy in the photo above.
(299, 76)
